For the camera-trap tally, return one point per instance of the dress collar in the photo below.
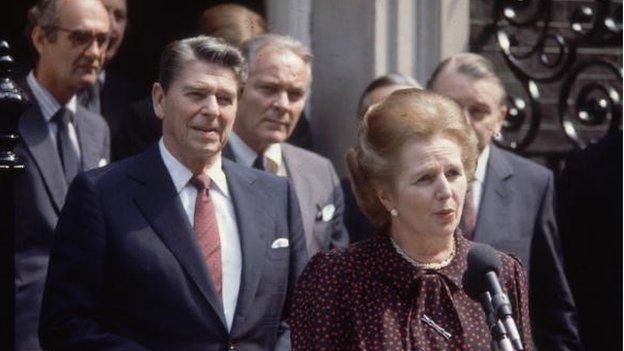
(397, 271)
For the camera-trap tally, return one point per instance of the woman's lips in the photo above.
(446, 214)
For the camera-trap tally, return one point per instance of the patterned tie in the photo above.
(69, 157)
(468, 220)
(206, 229)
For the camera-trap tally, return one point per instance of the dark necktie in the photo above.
(69, 157)
(468, 220)
(89, 98)
(258, 162)
(207, 229)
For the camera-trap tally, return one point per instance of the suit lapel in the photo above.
(34, 131)
(159, 203)
(88, 139)
(253, 227)
(302, 189)
(495, 199)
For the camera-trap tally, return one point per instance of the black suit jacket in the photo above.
(39, 196)
(516, 216)
(590, 217)
(126, 272)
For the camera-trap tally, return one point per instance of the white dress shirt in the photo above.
(246, 156)
(477, 185)
(231, 255)
(49, 106)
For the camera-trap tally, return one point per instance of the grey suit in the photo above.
(516, 216)
(318, 190)
(39, 196)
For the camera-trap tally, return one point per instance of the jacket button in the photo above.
(231, 346)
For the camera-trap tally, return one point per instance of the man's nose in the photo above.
(211, 106)
(282, 101)
(94, 49)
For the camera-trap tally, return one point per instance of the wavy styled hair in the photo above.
(407, 115)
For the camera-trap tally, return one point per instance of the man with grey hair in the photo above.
(59, 139)
(175, 248)
(271, 103)
(511, 202)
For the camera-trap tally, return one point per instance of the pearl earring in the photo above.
(394, 212)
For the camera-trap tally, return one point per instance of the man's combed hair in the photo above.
(473, 66)
(43, 14)
(201, 48)
(252, 46)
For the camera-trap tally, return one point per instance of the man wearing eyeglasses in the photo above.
(59, 139)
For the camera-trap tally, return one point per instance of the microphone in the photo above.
(500, 341)
(482, 276)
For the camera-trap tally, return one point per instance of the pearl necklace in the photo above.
(422, 265)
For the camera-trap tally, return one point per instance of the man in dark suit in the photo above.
(177, 249)
(59, 138)
(113, 93)
(268, 110)
(510, 205)
(590, 217)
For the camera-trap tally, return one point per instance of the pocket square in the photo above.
(103, 162)
(280, 243)
(326, 213)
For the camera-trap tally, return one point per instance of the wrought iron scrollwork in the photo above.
(551, 56)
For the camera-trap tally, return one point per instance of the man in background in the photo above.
(113, 93)
(511, 202)
(270, 106)
(59, 139)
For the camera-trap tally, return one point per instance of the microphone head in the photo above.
(481, 259)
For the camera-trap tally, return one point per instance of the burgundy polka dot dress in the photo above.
(368, 297)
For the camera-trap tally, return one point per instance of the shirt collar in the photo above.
(180, 175)
(246, 155)
(47, 103)
(102, 78)
(482, 164)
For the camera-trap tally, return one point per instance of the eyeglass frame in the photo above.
(102, 39)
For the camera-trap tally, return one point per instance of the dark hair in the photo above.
(43, 14)
(406, 115)
(200, 48)
(385, 81)
(473, 66)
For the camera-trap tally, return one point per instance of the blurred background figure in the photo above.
(403, 288)
(271, 104)
(356, 222)
(113, 92)
(232, 22)
(511, 205)
(590, 219)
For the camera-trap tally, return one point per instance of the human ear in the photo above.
(158, 95)
(38, 37)
(384, 195)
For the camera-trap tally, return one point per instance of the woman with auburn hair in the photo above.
(403, 288)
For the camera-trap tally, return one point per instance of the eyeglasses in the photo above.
(84, 38)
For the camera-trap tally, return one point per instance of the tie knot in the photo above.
(63, 116)
(201, 181)
(258, 162)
